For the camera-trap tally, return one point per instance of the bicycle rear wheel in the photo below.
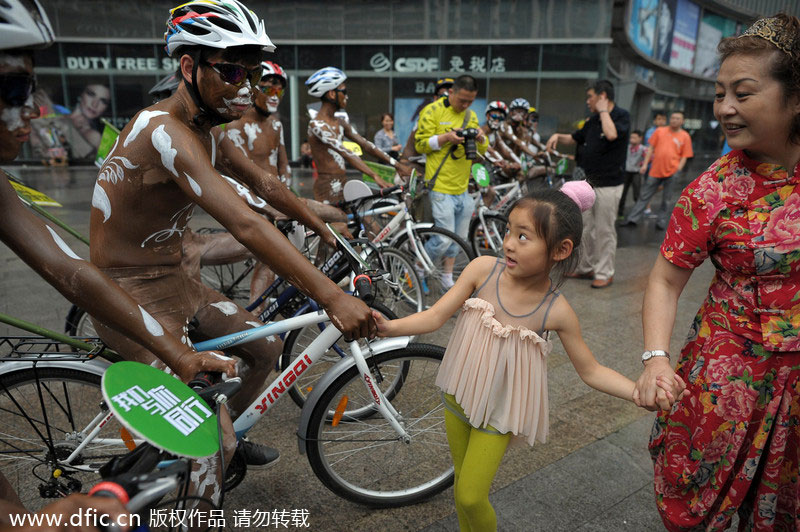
(403, 294)
(449, 243)
(43, 413)
(487, 237)
(79, 323)
(362, 458)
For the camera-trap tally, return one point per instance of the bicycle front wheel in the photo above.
(361, 458)
(487, 237)
(79, 323)
(297, 343)
(44, 412)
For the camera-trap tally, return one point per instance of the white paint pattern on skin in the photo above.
(205, 477)
(162, 142)
(236, 137)
(254, 323)
(336, 321)
(244, 192)
(164, 234)
(273, 157)
(337, 158)
(221, 357)
(195, 187)
(12, 61)
(214, 149)
(251, 130)
(12, 118)
(141, 122)
(226, 307)
(63, 245)
(276, 125)
(113, 171)
(101, 202)
(153, 327)
(243, 97)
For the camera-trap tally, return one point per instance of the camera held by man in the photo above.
(470, 149)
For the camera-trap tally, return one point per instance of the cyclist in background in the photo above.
(518, 136)
(263, 144)
(326, 134)
(499, 153)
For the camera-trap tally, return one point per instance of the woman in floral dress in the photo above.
(733, 444)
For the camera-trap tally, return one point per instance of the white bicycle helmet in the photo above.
(497, 105)
(273, 69)
(520, 103)
(24, 25)
(324, 80)
(216, 24)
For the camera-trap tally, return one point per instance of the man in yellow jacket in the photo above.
(441, 136)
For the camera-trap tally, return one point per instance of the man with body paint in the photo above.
(259, 136)
(166, 161)
(326, 133)
(25, 27)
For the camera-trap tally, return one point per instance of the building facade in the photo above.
(108, 55)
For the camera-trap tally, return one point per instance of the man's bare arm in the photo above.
(373, 150)
(326, 134)
(82, 283)
(268, 186)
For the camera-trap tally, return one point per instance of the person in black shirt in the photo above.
(603, 140)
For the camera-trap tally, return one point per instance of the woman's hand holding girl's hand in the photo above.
(383, 324)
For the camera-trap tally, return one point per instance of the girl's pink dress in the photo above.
(495, 363)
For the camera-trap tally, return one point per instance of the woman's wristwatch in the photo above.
(647, 355)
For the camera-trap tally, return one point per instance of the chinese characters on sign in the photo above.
(380, 63)
(259, 519)
(185, 416)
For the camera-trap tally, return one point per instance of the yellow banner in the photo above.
(33, 196)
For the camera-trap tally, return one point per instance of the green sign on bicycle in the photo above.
(161, 409)
(480, 174)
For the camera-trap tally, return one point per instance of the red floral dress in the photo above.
(734, 443)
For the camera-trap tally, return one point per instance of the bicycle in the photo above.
(372, 427)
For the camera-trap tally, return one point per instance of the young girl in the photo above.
(494, 372)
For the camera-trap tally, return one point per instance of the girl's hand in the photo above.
(383, 324)
(675, 387)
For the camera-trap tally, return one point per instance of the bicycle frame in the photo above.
(280, 386)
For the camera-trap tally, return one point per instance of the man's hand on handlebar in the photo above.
(190, 363)
(353, 317)
(403, 170)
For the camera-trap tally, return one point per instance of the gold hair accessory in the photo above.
(773, 31)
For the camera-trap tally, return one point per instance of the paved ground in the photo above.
(593, 474)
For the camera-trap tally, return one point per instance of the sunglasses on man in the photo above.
(272, 90)
(16, 88)
(236, 75)
(497, 117)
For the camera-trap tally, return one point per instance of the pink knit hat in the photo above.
(581, 193)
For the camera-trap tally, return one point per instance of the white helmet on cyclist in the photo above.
(24, 25)
(273, 69)
(497, 105)
(324, 80)
(519, 103)
(216, 24)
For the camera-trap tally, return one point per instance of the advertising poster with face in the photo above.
(713, 28)
(642, 26)
(70, 130)
(666, 25)
(684, 36)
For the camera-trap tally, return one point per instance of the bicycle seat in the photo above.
(355, 189)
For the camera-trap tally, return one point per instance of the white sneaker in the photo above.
(446, 280)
